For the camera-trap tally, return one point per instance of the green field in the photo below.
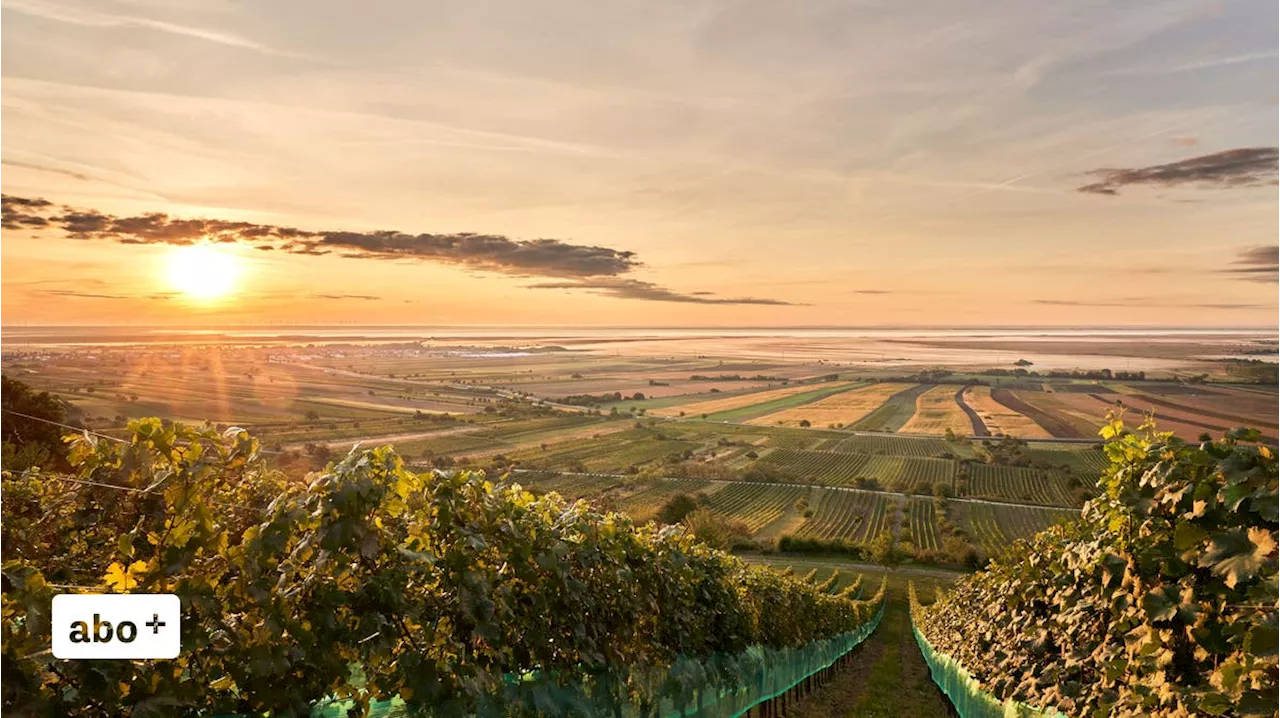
(896, 411)
(786, 402)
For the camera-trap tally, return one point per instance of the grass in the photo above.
(896, 411)
(785, 402)
(887, 679)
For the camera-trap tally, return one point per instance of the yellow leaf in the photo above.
(122, 579)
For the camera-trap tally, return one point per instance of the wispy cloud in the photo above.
(365, 297)
(1133, 302)
(90, 18)
(1257, 264)
(1250, 166)
(637, 289)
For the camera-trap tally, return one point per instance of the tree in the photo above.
(676, 508)
(29, 442)
(312, 415)
(805, 423)
(884, 550)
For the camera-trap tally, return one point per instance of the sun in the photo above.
(203, 272)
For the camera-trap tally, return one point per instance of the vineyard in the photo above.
(624, 449)
(374, 588)
(1160, 601)
(754, 505)
(887, 444)
(923, 474)
(847, 514)
(994, 527)
(1016, 483)
(922, 523)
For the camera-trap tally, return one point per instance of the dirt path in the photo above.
(887, 679)
(979, 428)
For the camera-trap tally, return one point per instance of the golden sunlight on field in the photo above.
(937, 411)
(844, 408)
(739, 401)
(999, 418)
(203, 272)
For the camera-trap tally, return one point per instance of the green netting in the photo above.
(721, 686)
(966, 694)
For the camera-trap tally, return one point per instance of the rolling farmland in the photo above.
(922, 523)
(993, 528)
(755, 505)
(744, 401)
(923, 474)
(850, 515)
(828, 466)
(1046, 410)
(888, 444)
(936, 411)
(839, 410)
(1001, 419)
(1017, 483)
(894, 412)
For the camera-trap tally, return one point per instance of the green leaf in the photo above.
(1237, 555)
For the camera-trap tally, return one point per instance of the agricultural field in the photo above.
(896, 411)
(851, 515)
(1080, 460)
(834, 411)
(782, 403)
(894, 445)
(994, 527)
(645, 504)
(755, 505)
(621, 451)
(1020, 484)
(728, 404)
(1060, 418)
(938, 410)
(921, 525)
(1000, 419)
(1229, 406)
(921, 475)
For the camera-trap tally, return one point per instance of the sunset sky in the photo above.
(946, 162)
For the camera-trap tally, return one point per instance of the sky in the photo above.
(703, 163)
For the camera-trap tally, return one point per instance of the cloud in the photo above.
(1244, 167)
(368, 297)
(648, 291)
(1257, 264)
(89, 18)
(42, 168)
(872, 291)
(535, 257)
(83, 295)
(576, 266)
(1138, 302)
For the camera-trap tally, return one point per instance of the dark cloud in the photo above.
(1250, 166)
(648, 291)
(535, 257)
(1257, 264)
(577, 266)
(367, 297)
